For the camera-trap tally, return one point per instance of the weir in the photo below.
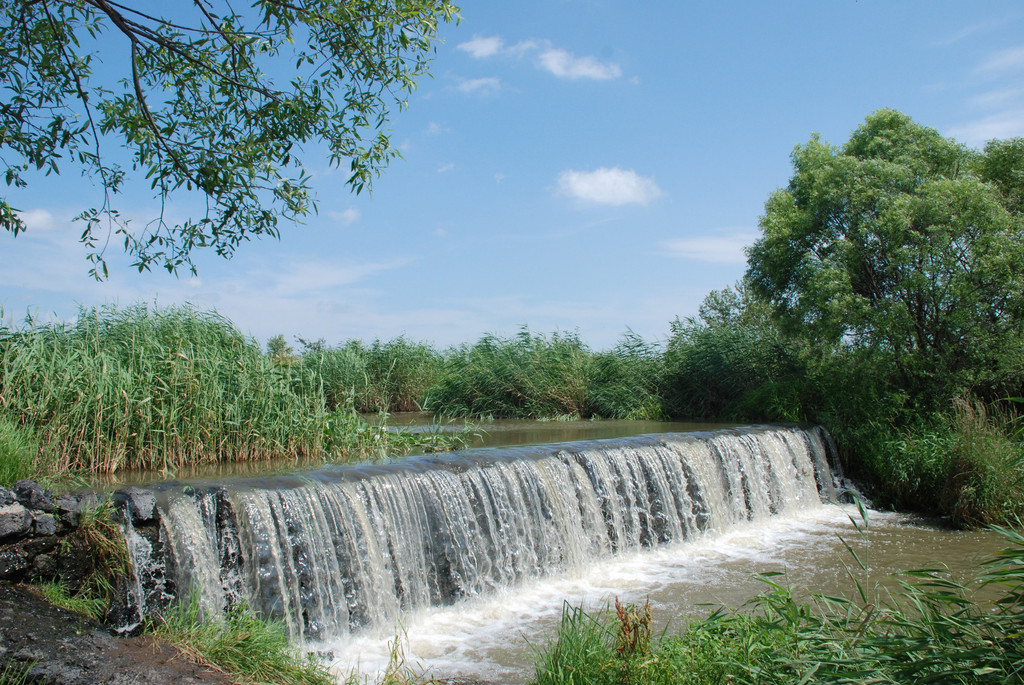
(342, 549)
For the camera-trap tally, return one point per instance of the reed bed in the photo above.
(152, 388)
(534, 376)
(392, 376)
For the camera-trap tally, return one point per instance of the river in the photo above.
(468, 559)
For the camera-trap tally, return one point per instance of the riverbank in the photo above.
(60, 647)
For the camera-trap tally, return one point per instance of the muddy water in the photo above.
(511, 432)
(495, 639)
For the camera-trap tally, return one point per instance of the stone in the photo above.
(32, 495)
(69, 509)
(44, 524)
(44, 566)
(6, 497)
(141, 503)
(15, 520)
(13, 563)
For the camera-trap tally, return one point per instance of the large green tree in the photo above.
(203, 99)
(906, 244)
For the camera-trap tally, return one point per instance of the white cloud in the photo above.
(447, 166)
(966, 32)
(564, 64)
(606, 186)
(304, 277)
(38, 220)
(996, 98)
(481, 47)
(483, 86)
(561, 63)
(347, 217)
(717, 249)
(1003, 125)
(1005, 60)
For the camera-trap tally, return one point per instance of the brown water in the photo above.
(495, 639)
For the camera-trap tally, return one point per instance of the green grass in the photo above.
(931, 629)
(99, 546)
(15, 673)
(967, 463)
(241, 644)
(19, 452)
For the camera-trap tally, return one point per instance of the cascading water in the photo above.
(344, 548)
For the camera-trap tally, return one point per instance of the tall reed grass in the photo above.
(154, 388)
(392, 376)
(967, 463)
(534, 376)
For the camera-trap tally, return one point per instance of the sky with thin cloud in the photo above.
(582, 165)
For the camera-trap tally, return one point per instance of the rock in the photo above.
(32, 495)
(44, 566)
(44, 524)
(13, 563)
(6, 497)
(141, 503)
(69, 509)
(14, 520)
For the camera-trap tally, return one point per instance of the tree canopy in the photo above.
(210, 101)
(905, 242)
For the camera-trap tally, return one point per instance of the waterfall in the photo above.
(345, 548)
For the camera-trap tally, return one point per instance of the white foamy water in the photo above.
(494, 638)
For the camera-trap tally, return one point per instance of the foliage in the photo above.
(241, 644)
(583, 652)
(399, 375)
(16, 673)
(929, 630)
(156, 388)
(279, 350)
(349, 437)
(905, 243)
(210, 102)
(966, 464)
(732, 362)
(392, 376)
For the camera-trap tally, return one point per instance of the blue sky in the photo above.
(571, 165)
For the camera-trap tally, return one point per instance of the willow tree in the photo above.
(197, 97)
(907, 244)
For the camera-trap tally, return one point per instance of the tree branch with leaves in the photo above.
(212, 102)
